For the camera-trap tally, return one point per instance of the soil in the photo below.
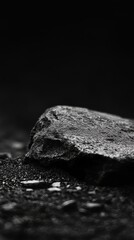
(40, 211)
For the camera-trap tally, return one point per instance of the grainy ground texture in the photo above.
(60, 199)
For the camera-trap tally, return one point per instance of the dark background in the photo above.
(78, 57)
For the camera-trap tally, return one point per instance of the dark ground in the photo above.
(39, 213)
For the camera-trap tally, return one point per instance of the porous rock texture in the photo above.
(65, 133)
(94, 146)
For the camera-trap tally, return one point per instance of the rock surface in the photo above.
(66, 133)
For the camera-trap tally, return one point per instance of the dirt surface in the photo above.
(40, 210)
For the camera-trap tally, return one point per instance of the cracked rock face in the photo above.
(66, 133)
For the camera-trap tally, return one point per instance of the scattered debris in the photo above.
(69, 205)
(34, 184)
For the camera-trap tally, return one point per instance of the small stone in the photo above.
(78, 188)
(54, 189)
(103, 214)
(94, 206)
(34, 184)
(29, 189)
(91, 192)
(9, 206)
(56, 184)
(82, 210)
(69, 205)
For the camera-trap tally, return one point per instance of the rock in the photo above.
(29, 190)
(72, 133)
(92, 192)
(103, 214)
(56, 184)
(65, 132)
(78, 188)
(54, 189)
(69, 205)
(94, 206)
(34, 184)
(9, 206)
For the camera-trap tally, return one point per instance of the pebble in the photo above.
(29, 189)
(91, 192)
(102, 214)
(69, 205)
(54, 189)
(34, 184)
(78, 188)
(82, 210)
(56, 184)
(9, 206)
(94, 206)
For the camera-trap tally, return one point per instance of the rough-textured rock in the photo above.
(102, 144)
(64, 132)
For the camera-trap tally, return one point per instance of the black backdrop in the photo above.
(80, 58)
